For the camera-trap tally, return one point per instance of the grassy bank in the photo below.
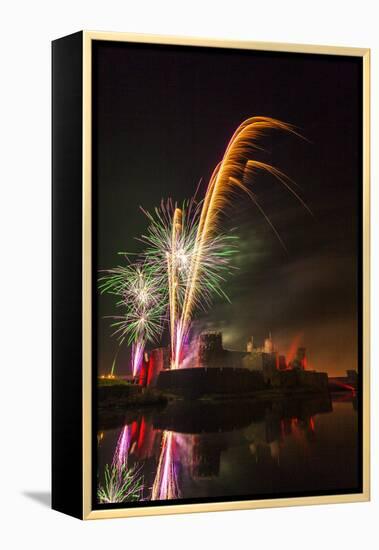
(118, 393)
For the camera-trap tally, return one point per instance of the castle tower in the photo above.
(301, 358)
(210, 351)
(268, 346)
(282, 363)
(250, 345)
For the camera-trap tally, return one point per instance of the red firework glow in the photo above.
(295, 344)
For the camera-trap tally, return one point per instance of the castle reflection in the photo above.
(199, 449)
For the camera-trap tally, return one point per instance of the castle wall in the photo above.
(208, 368)
(253, 361)
(299, 378)
(159, 360)
(200, 381)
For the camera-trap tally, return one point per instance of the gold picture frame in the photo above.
(88, 37)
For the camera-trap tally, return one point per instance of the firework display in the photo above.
(187, 257)
(171, 252)
(210, 279)
(143, 302)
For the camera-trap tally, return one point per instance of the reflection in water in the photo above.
(120, 484)
(165, 485)
(198, 450)
(121, 455)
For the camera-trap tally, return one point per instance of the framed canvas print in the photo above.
(210, 275)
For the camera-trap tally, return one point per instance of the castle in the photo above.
(210, 368)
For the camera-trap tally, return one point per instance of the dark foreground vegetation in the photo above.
(120, 393)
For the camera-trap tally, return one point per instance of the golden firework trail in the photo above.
(172, 269)
(235, 171)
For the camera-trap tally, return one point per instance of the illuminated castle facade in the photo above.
(210, 368)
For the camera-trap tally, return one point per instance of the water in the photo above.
(207, 450)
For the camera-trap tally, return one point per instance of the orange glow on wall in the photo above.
(292, 350)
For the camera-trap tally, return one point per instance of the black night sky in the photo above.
(162, 118)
